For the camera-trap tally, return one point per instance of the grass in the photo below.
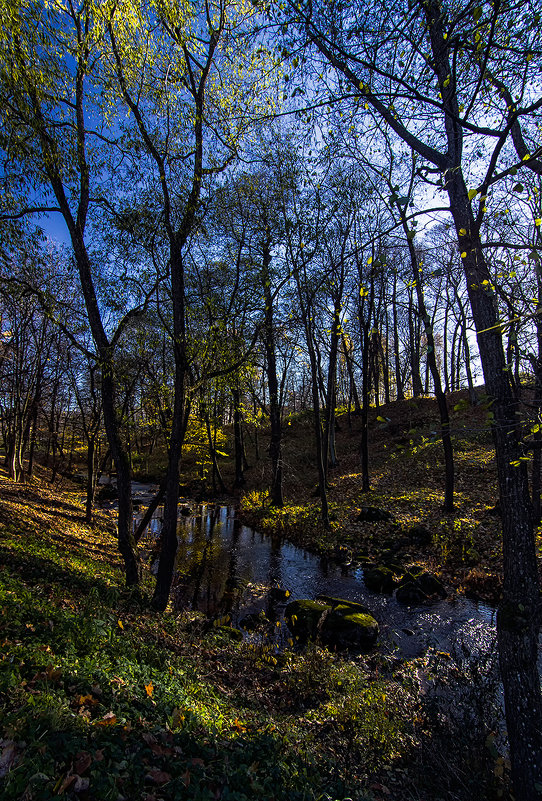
(101, 699)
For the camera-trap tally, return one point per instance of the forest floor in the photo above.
(102, 699)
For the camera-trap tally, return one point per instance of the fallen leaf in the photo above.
(177, 718)
(159, 776)
(66, 783)
(108, 720)
(86, 700)
(83, 761)
(160, 750)
(53, 674)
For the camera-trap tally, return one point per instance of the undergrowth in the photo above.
(102, 699)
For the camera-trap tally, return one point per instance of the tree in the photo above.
(430, 73)
(205, 54)
(51, 157)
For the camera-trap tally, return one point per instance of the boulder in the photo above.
(410, 593)
(335, 602)
(254, 621)
(417, 586)
(379, 578)
(420, 535)
(279, 594)
(303, 617)
(344, 627)
(431, 585)
(339, 623)
(230, 632)
(372, 514)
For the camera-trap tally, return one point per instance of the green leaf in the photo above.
(477, 13)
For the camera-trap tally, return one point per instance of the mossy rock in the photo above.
(338, 622)
(343, 628)
(342, 602)
(379, 579)
(279, 594)
(431, 585)
(303, 617)
(410, 593)
(420, 535)
(230, 633)
(254, 621)
(418, 586)
(372, 514)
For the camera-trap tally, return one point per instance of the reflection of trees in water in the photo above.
(274, 577)
(207, 571)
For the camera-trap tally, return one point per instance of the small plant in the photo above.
(255, 500)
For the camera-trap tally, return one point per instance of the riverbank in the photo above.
(101, 699)
(407, 486)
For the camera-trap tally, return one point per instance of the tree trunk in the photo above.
(350, 367)
(330, 459)
(433, 367)
(275, 445)
(168, 539)
(398, 377)
(238, 440)
(414, 341)
(518, 617)
(364, 325)
(91, 476)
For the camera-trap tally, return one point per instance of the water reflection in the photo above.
(224, 567)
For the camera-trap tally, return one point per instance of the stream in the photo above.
(224, 567)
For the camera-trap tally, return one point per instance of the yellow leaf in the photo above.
(370, 260)
(149, 688)
(462, 232)
(472, 193)
(177, 718)
(119, 623)
(464, 254)
(108, 720)
(538, 221)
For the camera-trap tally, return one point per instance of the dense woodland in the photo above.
(220, 218)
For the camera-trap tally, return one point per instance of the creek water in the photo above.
(224, 567)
